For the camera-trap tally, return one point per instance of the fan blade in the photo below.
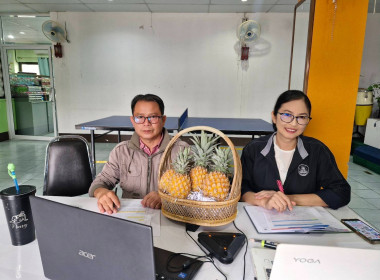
(61, 37)
(248, 31)
(53, 31)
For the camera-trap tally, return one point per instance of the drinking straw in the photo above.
(12, 173)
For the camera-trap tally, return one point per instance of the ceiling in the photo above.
(154, 6)
(18, 29)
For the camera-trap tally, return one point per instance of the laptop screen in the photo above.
(79, 244)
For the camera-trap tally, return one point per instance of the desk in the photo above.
(236, 126)
(24, 261)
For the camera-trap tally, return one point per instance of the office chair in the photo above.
(69, 170)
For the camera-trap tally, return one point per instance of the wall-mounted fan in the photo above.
(247, 32)
(55, 33)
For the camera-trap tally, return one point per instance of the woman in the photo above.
(286, 168)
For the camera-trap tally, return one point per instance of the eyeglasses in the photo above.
(151, 119)
(288, 118)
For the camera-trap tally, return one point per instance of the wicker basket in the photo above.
(203, 213)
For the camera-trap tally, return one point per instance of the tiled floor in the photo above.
(29, 159)
(365, 193)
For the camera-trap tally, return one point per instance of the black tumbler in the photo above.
(19, 214)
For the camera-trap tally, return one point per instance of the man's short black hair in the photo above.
(148, 97)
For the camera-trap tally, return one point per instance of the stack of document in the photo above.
(302, 219)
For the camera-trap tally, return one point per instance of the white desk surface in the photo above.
(23, 262)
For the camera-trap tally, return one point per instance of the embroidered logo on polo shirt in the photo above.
(303, 169)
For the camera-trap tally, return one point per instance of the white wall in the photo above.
(370, 68)
(190, 60)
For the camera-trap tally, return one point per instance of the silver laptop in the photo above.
(300, 262)
(79, 244)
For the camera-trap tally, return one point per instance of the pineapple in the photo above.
(202, 151)
(166, 180)
(180, 185)
(217, 183)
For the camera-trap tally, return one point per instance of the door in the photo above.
(29, 92)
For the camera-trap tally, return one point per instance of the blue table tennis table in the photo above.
(235, 126)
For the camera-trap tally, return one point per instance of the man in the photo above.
(135, 163)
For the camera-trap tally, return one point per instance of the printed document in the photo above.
(132, 210)
(302, 219)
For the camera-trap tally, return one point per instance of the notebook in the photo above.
(302, 219)
(300, 262)
(79, 244)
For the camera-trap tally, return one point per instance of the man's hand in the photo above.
(107, 200)
(152, 200)
(278, 201)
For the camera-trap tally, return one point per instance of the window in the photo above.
(29, 68)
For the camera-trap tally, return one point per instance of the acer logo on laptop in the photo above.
(86, 255)
(305, 260)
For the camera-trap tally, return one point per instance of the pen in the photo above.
(265, 243)
(280, 187)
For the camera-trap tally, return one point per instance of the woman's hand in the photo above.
(269, 200)
(278, 201)
(264, 194)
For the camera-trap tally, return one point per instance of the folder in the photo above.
(302, 219)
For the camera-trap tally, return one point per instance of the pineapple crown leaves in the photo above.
(203, 148)
(182, 162)
(221, 160)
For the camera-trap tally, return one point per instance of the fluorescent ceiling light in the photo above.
(22, 32)
(11, 37)
(26, 16)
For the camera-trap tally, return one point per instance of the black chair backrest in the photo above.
(69, 169)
